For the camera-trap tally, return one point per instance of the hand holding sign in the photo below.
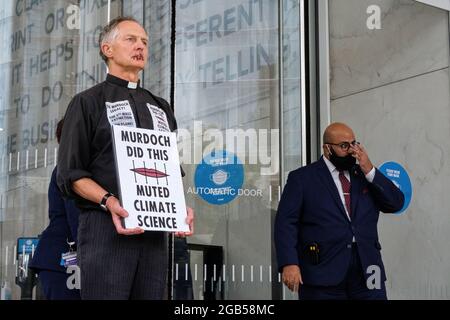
(190, 222)
(117, 212)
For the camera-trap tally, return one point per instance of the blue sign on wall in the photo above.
(398, 175)
(219, 177)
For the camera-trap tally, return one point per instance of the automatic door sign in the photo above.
(219, 177)
(398, 175)
(149, 175)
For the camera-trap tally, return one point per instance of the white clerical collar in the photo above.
(132, 85)
(122, 82)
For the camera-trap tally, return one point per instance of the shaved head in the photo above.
(335, 134)
(338, 132)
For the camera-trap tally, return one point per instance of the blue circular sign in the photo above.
(398, 175)
(219, 177)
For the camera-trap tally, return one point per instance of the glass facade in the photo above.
(227, 98)
(233, 73)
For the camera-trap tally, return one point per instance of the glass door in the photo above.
(237, 96)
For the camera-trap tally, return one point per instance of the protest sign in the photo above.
(149, 177)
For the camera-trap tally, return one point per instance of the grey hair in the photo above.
(110, 32)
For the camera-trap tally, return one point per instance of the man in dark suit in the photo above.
(326, 226)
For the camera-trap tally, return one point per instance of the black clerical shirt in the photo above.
(86, 149)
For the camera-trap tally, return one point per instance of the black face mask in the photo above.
(342, 163)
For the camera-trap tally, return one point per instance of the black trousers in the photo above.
(353, 287)
(121, 267)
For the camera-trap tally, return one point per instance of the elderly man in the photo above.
(326, 225)
(115, 263)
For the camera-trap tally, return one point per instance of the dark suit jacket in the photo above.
(311, 211)
(63, 224)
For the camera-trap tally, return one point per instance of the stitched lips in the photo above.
(150, 172)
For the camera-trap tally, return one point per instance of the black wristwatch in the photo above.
(104, 199)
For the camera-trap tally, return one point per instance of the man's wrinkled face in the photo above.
(129, 49)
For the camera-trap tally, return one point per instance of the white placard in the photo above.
(149, 177)
(119, 113)
(159, 118)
